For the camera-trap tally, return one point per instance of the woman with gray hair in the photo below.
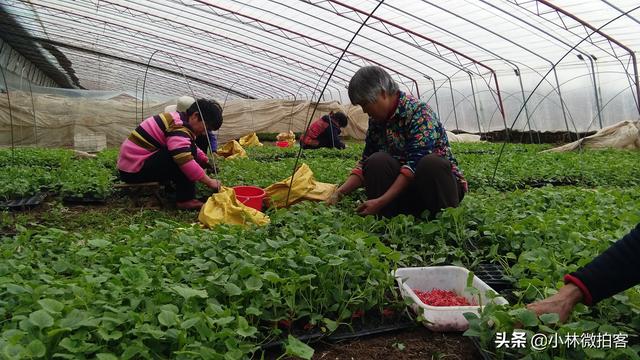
(407, 165)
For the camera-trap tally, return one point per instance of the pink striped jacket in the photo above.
(167, 130)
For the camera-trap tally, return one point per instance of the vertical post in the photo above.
(453, 103)
(35, 120)
(564, 113)
(135, 121)
(524, 103)
(6, 88)
(595, 86)
(597, 76)
(475, 103)
(435, 93)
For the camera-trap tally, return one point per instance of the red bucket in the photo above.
(250, 195)
(282, 144)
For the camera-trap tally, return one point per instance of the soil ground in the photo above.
(410, 344)
(417, 343)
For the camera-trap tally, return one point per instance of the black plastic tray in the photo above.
(24, 203)
(483, 353)
(493, 275)
(361, 327)
(347, 334)
(88, 199)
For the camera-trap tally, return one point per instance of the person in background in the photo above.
(162, 148)
(407, 165)
(609, 273)
(325, 132)
(203, 142)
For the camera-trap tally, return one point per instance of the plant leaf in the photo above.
(295, 347)
(167, 318)
(187, 292)
(36, 348)
(41, 319)
(551, 318)
(52, 306)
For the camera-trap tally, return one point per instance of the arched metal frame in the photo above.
(249, 50)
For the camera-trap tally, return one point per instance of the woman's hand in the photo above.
(561, 303)
(211, 183)
(371, 207)
(334, 198)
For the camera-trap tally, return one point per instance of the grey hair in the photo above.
(368, 82)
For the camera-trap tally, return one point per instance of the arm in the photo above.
(179, 146)
(356, 179)
(374, 206)
(609, 273)
(612, 271)
(210, 183)
(202, 157)
(353, 182)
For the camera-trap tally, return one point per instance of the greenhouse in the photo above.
(319, 179)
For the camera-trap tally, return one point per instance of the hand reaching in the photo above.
(370, 207)
(561, 303)
(335, 198)
(214, 184)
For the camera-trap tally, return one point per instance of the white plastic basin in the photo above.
(442, 318)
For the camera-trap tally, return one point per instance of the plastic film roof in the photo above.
(286, 49)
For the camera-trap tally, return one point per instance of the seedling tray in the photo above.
(24, 203)
(493, 275)
(484, 354)
(87, 199)
(372, 323)
(544, 182)
(366, 327)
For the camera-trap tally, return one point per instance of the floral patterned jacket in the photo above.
(412, 132)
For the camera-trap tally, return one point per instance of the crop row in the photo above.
(520, 166)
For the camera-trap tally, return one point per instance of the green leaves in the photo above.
(52, 306)
(253, 283)
(232, 289)
(116, 282)
(167, 318)
(98, 243)
(76, 319)
(41, 319)
(550, 319)
(188, 293)
(135, 275)
(526, 317)
(295, 347)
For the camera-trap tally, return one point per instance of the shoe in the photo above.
(192, 204)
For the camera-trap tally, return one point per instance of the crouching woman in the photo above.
(407, 166)
(162, 148)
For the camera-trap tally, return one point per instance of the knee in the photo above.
(433, 163)
(377, 160)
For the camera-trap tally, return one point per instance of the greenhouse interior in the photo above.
(319, 179)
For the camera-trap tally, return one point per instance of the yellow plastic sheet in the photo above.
(250, 140)
(224, 208)
(304, 188)
(232, 150)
